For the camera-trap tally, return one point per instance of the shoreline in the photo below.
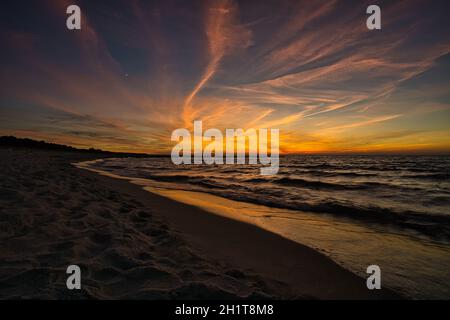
(307, 271)
(134, 244)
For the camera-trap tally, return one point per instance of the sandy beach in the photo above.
(133, 244)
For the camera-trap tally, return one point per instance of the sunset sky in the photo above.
(139, 69)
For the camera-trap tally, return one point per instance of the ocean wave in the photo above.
(299, 182)
(432, 176)
(433, 226)
(336, 174)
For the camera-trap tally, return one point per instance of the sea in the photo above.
(390, 211)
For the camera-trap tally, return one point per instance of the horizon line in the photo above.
(284, 154)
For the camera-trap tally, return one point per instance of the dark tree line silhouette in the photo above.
(14, 142)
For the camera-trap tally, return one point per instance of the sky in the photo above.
(137, 70)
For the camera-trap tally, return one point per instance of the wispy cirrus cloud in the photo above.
(224, 35)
